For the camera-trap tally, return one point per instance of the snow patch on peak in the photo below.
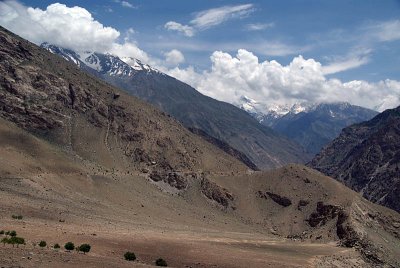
(92, 61)
(103, 63)
(139, 66)
(249, 105)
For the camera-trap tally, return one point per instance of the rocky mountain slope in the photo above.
(311, 125)
(366, 157)
(52, 98)
(222, 121)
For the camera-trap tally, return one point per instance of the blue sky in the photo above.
(345, 40)
(323, 30)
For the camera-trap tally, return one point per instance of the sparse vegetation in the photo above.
(42, 244)
(69, 246)
(129, 256)
(161, 262)
(15, 240)
(56, 246)
(4, 241)
(17, 217)
(85, 248)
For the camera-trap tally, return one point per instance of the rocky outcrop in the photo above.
(323, 214)
(366, 158)
(280, 200)
(217, 194)
(174, 179)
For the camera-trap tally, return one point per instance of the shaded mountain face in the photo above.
(53, 99)
(263, 147)
(311, 125)
(366, 157)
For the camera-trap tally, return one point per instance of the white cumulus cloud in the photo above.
(72, 27)
(269, 82)
(174, 57)
(69, 27)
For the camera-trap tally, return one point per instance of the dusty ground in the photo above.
(179, 248)
(116, 213)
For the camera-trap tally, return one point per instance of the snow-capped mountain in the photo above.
(102, 63)
(269, 113)
(252, 143)
(313, 125)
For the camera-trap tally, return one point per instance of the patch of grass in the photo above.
(129, 256)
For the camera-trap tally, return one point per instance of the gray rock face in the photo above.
(366, 157)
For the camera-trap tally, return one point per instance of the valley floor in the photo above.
(155, 224)
(179, 248)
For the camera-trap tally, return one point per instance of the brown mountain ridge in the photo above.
(366, 158)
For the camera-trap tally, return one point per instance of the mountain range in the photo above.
(366, 158)
(84, 161)
(312, 125)
(262, 147)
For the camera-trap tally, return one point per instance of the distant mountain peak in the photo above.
(105, 63)
(274, 110)
(312, 125)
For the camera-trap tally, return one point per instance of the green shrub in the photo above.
(56, 246)
(69, 246)
(84, 248)
(15, 240)
(2, 232)
(5, 241)
(42, 244)
(17, 217)
(161, 262)
(12, 233)
(129, 256)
